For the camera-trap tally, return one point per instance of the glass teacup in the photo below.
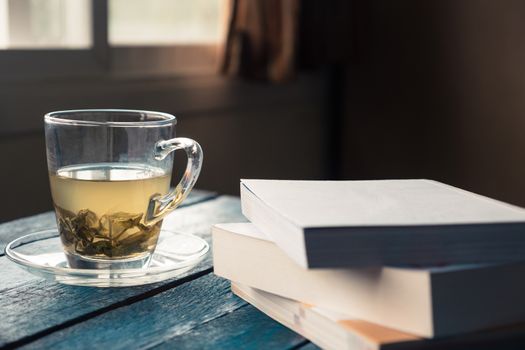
(110, 174)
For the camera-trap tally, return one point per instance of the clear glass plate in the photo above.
(41, 254)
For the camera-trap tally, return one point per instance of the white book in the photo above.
(383, 222)
(333, 330)
(426, 302)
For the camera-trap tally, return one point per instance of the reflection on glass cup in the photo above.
(110, 174)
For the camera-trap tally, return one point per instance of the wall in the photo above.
(437, 90)
(246, 129)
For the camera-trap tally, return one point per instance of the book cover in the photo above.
(383, 222)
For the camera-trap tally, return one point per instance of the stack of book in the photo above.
(386, 264)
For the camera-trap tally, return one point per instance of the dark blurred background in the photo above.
(277, 88)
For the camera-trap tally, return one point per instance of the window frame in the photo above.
(103, 60)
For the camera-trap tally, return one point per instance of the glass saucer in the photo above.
(41, 254)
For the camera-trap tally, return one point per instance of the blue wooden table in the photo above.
(196, 310)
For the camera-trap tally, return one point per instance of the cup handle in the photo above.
(160, 205)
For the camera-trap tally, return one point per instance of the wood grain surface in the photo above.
(200, 314)
(195, 310)
(246, 328)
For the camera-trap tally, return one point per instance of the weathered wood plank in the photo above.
(198, 196)
(150, 321)
(199, 314)
(16, 228)
(30, 307)
(245, 328)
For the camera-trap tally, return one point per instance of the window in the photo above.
(30, 24)
(62, 38)
(164, 22)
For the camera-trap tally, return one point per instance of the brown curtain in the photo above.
(272, 39)
(261, 39)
